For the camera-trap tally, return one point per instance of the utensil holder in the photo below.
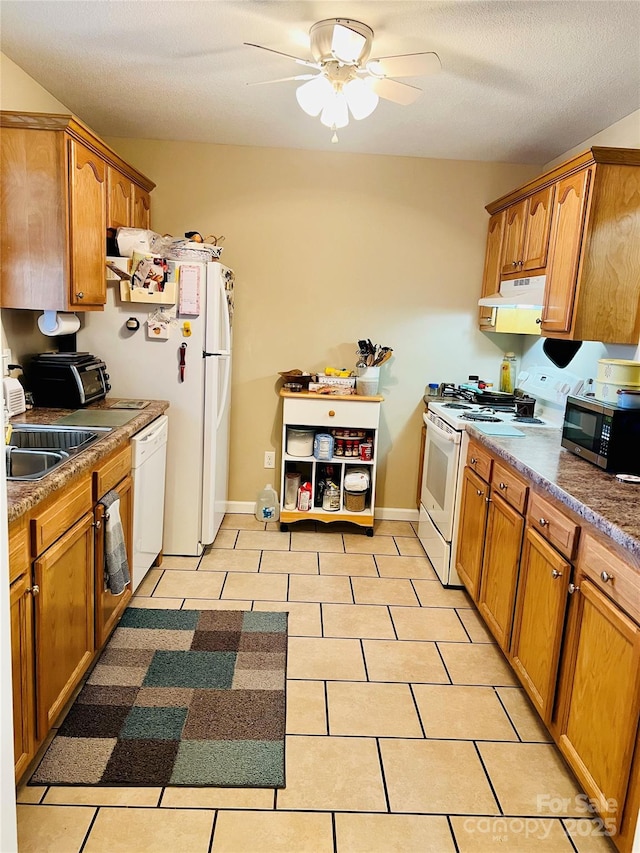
(367, 381)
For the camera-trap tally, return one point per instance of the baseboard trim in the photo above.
(383, 513)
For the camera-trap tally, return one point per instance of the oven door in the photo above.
(440, 474)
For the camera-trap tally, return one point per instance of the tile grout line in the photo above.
(504, 707)
(417, 710)
(453, 835)
(446, 669)
(213, 830)
(383, 776)
(92, 823)
(486, 773)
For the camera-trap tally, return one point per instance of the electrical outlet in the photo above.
(269, 459)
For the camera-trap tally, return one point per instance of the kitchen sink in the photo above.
(32, 464)
(34, 450)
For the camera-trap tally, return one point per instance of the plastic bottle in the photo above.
(508, 373)
(267, 507)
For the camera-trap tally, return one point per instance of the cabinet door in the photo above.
(492, 266)
(601, 697)
(87, 226)
(109, 607)
(570, 207)
(141, 208)
(22, 674)
(500, 568)
(513, 244)
(537, 229)
(119, 212)
(64, 619)
(539, 619)
(473, 522)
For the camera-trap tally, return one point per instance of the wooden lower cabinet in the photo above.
(600, 697)
(500, 568)
(64, 620)
(110, 607)
(24, 735)
(539, 620)
(473, 522)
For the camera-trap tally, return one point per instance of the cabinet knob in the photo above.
(473, 460)
(504, 486)
(606, 577)
(573, 588)
(520, 263)
(97, 523)
(555, 574)
(543, 522)
(332, 414)
(539, 320)
(479, 493)
(514, 263)
(34, 590)
(80, 295)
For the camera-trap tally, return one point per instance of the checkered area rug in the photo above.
(179, 697)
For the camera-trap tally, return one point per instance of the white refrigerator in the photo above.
(199, 396)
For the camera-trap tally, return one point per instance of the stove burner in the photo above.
(455, 406)
(478, 416)
(521, 419)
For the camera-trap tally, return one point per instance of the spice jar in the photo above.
(339, 447)
(331, 498)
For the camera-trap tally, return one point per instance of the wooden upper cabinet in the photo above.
(120, 208)
(87, 226)
(579, 224)
(141, 208)
(492, 267)
(57, 195)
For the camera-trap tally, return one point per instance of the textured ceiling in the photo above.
(521, 81)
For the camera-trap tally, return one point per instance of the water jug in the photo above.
(267, 505)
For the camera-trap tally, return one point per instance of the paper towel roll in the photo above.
(53, 323)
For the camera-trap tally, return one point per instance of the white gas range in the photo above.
(445, 453)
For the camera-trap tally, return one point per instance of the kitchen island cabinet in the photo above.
(321, 413)
(578, 225)
(61, 185)
(575, 639)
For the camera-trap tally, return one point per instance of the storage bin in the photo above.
(300, 441)
(620, 371)
(354, 501)
(607, 392)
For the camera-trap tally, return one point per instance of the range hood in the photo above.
(517, 293)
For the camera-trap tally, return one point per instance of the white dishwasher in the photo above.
(149, 462)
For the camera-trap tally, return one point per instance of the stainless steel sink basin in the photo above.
(32, 464)
(35, 450)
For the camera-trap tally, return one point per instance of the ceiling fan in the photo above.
(347, 80)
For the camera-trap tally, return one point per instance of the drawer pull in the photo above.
(479, 493)
(504, 486)
(34, 590)
(606, 577)
(543, 522)
(555, 574)
(332, 414)
(573, 588)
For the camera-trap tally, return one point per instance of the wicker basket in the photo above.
(354, 501)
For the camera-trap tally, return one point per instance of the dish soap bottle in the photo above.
(267, 508)
(508, 373)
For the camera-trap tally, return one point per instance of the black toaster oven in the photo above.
(66, 380)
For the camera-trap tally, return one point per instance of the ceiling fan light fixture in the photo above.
(347, 45)
(313, 95)
(335, 112)
(360, 97)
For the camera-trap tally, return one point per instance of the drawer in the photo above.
(509, 486)
(330, 412)
(59, 516)
(619, 580)
(479, 460)
(556, 527)
(19, 558)
(111, 471)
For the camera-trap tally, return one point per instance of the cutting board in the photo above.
(504, 430)
(98, 417)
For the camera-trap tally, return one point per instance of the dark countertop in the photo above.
(613, 507)
(23, 495)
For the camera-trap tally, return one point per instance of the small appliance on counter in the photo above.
(603, 433)
(66, 380)
(14, 398)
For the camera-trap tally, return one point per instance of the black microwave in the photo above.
(66, 380)
(603, 433)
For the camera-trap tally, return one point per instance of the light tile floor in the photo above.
(406, 729)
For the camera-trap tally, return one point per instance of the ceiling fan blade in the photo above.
(297, 59)
(284, 79)
(405, 65)
(392, 90)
